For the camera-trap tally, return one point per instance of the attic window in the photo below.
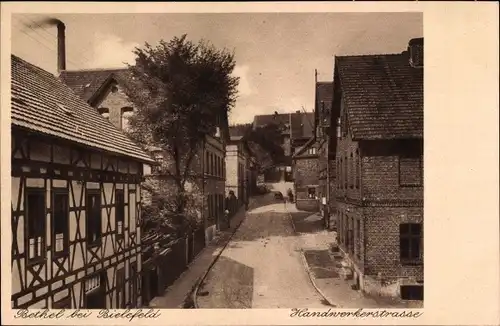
(64, 109)
(104, 112)
(114, 89)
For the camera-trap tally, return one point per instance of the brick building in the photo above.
(326, 144)
(103, 89)
(379, 160)
(305, 176)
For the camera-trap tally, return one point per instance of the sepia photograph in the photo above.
(181, 165)
(243, 161)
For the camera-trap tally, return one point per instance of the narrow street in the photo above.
(261, 267)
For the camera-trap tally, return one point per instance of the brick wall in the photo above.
(114, 102)
(370, 190)
(306, 175)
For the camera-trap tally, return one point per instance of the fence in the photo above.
(171, 259)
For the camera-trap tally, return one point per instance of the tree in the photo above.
(266, 143)
(182, 91)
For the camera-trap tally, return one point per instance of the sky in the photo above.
(276, 53)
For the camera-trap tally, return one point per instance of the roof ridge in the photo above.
(94, 69)
(368, 55)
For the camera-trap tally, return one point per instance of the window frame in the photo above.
(358, 169)
(313, 194)
(43, 233)
(88, 225)
(120, 217)
(406, 258)
(60, 191)
(125, 113)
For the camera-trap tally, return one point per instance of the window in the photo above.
(311, 192)
(207, 162)
(352, 171)
(132, 228)
(93, 217)
(358, 169)
(410, 242)
(211, 164)
(412, 292)
(94, 292)
(126, 113)
(410, 171)
(133, 284)
(337, 172)
(119, 211)
(346, 172)
(60, 216)
(311, 151)
(120, 288)
(35, 216)
(358, 239)
(104, 112)
(341, 176)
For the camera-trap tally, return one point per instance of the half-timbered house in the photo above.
(76, 200)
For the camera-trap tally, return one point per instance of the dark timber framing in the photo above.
(57, 279)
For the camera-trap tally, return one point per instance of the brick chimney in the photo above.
(416, 52)
(61, 46)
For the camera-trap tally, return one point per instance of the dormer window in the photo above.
(104, 112)
(126, 113)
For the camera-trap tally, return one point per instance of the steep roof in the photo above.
(302, 123)
(383, 94)
(42, 103)
(86, 83)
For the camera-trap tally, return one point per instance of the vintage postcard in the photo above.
(238, 163)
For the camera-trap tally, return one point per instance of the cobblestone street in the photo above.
(261, 267)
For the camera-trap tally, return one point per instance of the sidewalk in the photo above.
(177, 294)
(324, 267)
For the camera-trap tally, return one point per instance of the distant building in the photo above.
(297, 128)
(379, 164)
(76, 200)
(326, 143)
(103, 89)
(305, 176)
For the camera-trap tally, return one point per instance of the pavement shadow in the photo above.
(229, 285)
(305, 222)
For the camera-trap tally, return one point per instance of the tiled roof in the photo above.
(383, 94)
(42, 103)
(302, 123)
(86, 83)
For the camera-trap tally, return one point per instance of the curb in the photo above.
(308, 269)
(201, 279)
